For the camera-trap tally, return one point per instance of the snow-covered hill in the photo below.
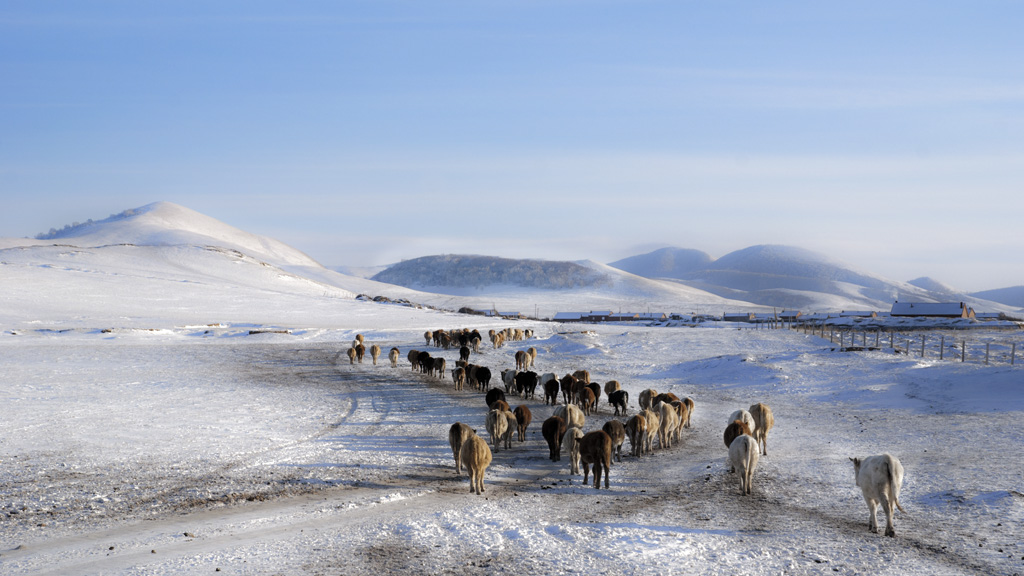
(168, 224)
(1013, 296)
(144, 266)
(664, 263)
(456, 273)
(761, 277)
(543, 288)
(128, 285)
(166, 261)
(933, 285)
(792, 277)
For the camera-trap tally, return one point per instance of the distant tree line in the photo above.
(55, 233)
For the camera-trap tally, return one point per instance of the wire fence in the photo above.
(976, 346)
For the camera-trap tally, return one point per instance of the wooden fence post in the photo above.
(922, 345)
(963, 351)
(942, 346)
(987, 346)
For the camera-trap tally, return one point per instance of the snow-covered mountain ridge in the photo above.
(788, 276)
(136, 261)
(127, 267)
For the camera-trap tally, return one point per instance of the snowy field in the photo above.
(177, 401)
(198, 449)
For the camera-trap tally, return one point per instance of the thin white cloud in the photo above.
(818, 90)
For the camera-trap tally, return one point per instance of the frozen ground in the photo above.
(176, 401)
(192, 450)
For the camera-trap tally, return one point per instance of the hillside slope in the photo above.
(544, 288)
(796, 278)
(457, 273)
(1012, 296)
(166, 261)
(168, 224)
(674, 263)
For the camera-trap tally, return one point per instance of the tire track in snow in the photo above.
(371, 400)
(377, 404)
(310, 371)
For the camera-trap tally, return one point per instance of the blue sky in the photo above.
(887, 135)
